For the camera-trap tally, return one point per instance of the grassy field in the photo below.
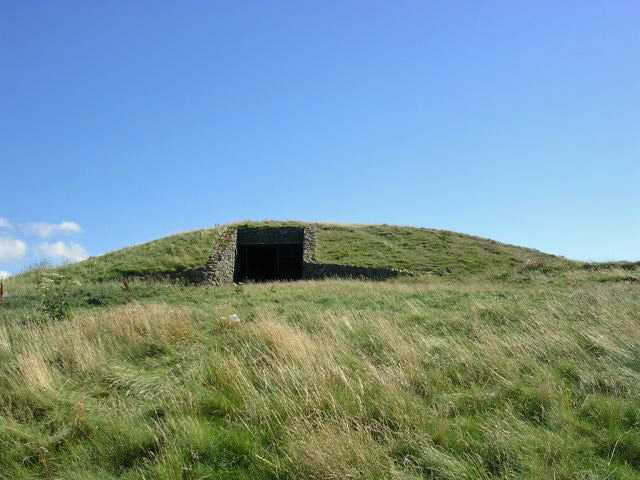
(528, 371)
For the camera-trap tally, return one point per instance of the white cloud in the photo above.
(4, 223)
(4, 275)
(45, 230)
(12, 249)
(72, 252)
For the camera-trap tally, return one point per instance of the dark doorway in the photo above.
(261, 263)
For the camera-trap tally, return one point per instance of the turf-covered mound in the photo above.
(417, 250)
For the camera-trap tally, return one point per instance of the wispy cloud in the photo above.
(4, 274)
(46, 230)
(4, 223)
(12, 249)
(71, 252)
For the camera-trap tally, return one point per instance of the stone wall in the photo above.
(309, 245)
(316, 271)
(269, 235)
(221, 264)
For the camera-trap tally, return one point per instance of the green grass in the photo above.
(503, 365)
(156, 259)
(423, 250)
(330, 379)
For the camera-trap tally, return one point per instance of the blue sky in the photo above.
(518, 121)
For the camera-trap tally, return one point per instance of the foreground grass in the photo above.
(326, 380)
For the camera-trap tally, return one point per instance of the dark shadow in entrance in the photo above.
(261, 263)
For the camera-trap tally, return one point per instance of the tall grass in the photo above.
(330, 380)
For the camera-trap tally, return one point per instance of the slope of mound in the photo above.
(166, 256)
(422, 250)
(417, 250)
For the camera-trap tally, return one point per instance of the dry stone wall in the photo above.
(329, 270)
(221, 264)
(270, 235)
(309, 243)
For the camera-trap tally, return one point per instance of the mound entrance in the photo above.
(260, 254)
(265, 254)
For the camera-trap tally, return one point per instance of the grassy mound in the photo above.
(417, 250)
